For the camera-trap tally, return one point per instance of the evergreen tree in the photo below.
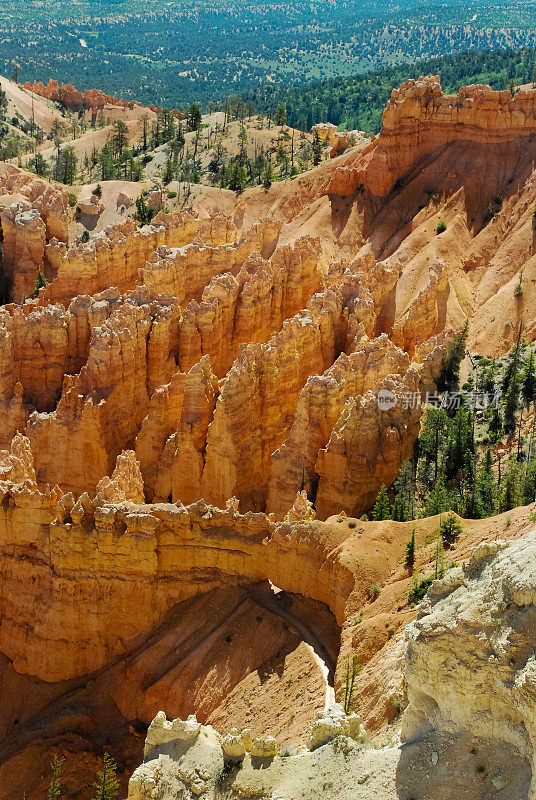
(431, 440)
(119, 139)
(267, 177)
(529, 483)
(450, 369)
(510, 407)
(528, 380)
(317, 149)
(382, 508)
(404, 486)
(460, 447)
(486, 487)
(489, 377)
(449, 529)
(510, 494)
(410, 550)
(143, 214)
(495, 423)
(54, 789)
(400, 511)
(194, 117)
(167, 175)
(65, 165)
(3, 104)
(107, 163)
(107, 784)
(281, 115)
(436, 501)
(511, 385)
(237, 176)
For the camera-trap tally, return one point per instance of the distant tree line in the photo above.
(357, 102)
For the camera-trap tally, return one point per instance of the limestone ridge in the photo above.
(485, 613)
(186, 755)
(419, 118)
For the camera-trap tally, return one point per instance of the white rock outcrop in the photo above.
(333, 722)
(470, 659)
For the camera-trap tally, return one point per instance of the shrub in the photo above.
(98, 190)
(85, 236)
(441, 226)
(40, 282)
(397, 705)
(419, 587)
(449, 529)
(71, 199)
(171, 195)
(375, 590)
(518, 291)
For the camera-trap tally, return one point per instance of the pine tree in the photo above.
(119, 139)
(529, 483)
(450, 369)
(317, 149)
(528, 381)
(431, 440)
(410, 550)
(511, 385)
(193, 117)
(143, 215)
(107, 784)
(400, 510)
(460, 449)
(486, 486)
(281, 115)
(436, 502)
(382, 508)
(510, 495)
(267, 177)
(495, 423)
(449, 529)
(54, 789)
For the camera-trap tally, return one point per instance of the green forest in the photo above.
(358, 102)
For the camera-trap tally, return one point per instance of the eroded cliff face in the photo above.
(181, 401)
(197, 344)
(468, 728)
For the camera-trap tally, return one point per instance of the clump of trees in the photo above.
(474, 461)
(105, 787)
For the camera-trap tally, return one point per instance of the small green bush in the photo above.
(71, 199)
(171, 195)
(98, 190)
(441, 226)
(449, 529)
(419, 587)
(374, 590)
(85, 236)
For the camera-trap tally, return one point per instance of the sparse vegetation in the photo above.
(352, 671)
(374, 590)
(449, 529)
(441, 226)
(107, 784)
(54, 789)
(419, 587)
